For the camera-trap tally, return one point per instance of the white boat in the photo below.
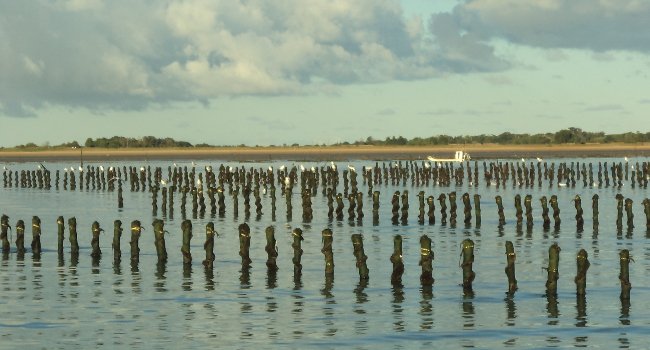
(459, 156)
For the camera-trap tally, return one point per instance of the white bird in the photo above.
(427, 165)
(111, 169)
(163, 182)
(193, 164)
(208, 168)
(270, 168)
(174, 165)
(101, 168)
(81, 170)
(351, 168)
(431, 158)
(65, 170)
(282, 167)
(230, 169)
(198, 182)
(523, 160)
(141, 168)
(313, 169)
(333, 165)
(302, 167)
(539, 159)
(625, 159)
(287, 181)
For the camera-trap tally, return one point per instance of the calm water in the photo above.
(55, 303)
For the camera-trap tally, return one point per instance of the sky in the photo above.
(259, 72)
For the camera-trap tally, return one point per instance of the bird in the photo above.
(101, 168)
(351, 168)
(282, 167)
(626, 159)
(270, 168)
(539, 160)
(141, 168)
(302, 167)
(333, 165)
(198, 182)
(313, 169)
(523, 160)
(430, 158)
(65, 170)
(287, 181)
(427, 165)
(81, 169)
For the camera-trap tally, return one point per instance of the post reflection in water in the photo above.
(161, 278)
(468, 317)
(329, 310)
(245, 306)
(426, 308)
(624, 319)
(271, 304)
(209, 278)
(581, 319)
(296, 311)
(361, 325)
(511, 311)
(187, 277)
(553, 314)
(398, 310)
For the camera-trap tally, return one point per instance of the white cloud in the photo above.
(598, 25)
(129, 54)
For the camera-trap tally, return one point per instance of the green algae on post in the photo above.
(357, 243)
(426, 261)
(624, 275)
(467, 253)
(244, 245)
(583, 264)
(208, 246)
(271, 249)
(4, 227)
(159, 240)
(327, 251)
(72, 236)
(552, 269)
(398, 261)
(36, 236)
(94, 243)
(186, 226)
(511, 257)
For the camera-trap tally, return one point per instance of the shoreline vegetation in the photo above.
(571, 142)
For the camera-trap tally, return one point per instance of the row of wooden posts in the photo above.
(426, 252)
(420, 173)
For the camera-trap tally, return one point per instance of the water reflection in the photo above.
(581, 319)
(329, 310)
(297, 310)
(553, 315)
(511, 310)
(426, 308)
(159, 284)
(468, 310)
(187, 277)
(361, 325)
(209, 278)
(398, 317)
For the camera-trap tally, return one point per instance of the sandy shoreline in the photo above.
(336, 153)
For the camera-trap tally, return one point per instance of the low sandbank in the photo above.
(334, 153)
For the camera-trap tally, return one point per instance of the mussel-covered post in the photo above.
(271, 249)
(94, 242)
(297, 252)
(136, 230)
(594, 207)
(577, 201)
(502, 217)
(467, 209)
(628, 212)
(20, 237)
(117, 236)
(467, 253)
(186, 226)
(4, 228)
(477, 208)
(552, 269)
(72, 236)
(327, 252)
(511, 257)
(36, 236)
(398, 261)
(209, 245)
(426, 261)
(359, 254)
(244, 245)
(556, 212)
(60, 236)
(624, 276)
(582, 263)
(159, 240)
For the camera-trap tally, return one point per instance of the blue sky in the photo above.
(229, 72)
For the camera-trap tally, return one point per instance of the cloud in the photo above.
(598, 25)
(129, 55)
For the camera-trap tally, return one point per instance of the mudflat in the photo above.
(334, 153)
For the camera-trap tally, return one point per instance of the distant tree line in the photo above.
(564, 136)
(144, 142)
